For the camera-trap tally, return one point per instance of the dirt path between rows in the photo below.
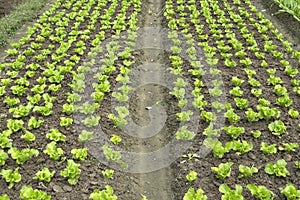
(156, 184)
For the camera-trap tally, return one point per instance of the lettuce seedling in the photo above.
(268, 149)
(85, 136)
(55, 135)
(290, 192)
(88, 108)
(241, 103)
(236, 81)
(72, 172)
(28, 193)
(44, 175)
(252, 116)
(65, 121)
(52, 151)
(223, 170)
(107, 193)
(256, 134)
(277, 128)
(232, 116)
(184, 134)
(33, 123)
(11, 101)
(246, 172)
(192, 175)
(293, 113)
(284, 101)
(280, 90)
(191, 194)
(28, 136)
(79, 154)
(11, 176)
(233, 131)
(92, 121)
(241, 147)
(108, 173)
(115, 139)
(256, 92)
(5, 141)
(184, 116)
(15, 125)
(4, 197)
(208, 116)
(229, 194)
(23, 155)
(278, 168)
(3, 157)
(217, 147)
(260, 192)
(290, 147)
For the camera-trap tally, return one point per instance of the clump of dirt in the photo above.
(6, 6)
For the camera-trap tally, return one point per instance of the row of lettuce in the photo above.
(233, 30)
(36, 71)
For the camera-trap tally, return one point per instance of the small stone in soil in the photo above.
(57, 188)
(67, 188)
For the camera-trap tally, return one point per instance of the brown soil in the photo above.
(129, 186)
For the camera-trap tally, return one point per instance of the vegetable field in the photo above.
(209, 90)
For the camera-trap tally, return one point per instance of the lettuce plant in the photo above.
(52, 151)
(293, 113)
(91, 121)
(4, 197)
(72, 172)
(223, 170)
(44, 175)
(85, 136)
(79, 154)
(256, 134)
(217, 147)
(107, 193)
(3, 157)
(284, 101)
(290, 147)
(108, 173)
(184, 134)
(208, 116)
(115, 139)
(184, 116)
(260, 192)
(252, 116)
(229, 194)
(65, 121)
(15, 125)
(33, 123)
(23, 155)
(241, 103)
(241, 147)
(278, 168)
(246, 172)
(233, 131)
(28, 136)
(277, 128)
(268, 149)
(192, 175)
(55, 135)
(191, 194)
(11, 176)
(290, 192)
(28, 193)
